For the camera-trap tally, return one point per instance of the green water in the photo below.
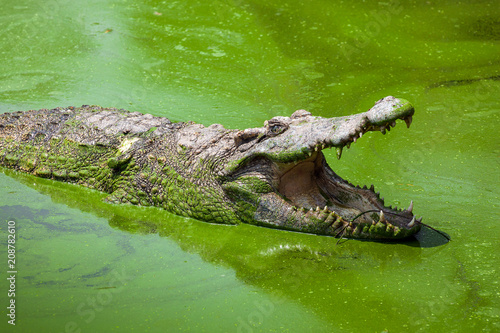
(86, 266)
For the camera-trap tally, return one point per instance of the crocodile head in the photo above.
(278, 176)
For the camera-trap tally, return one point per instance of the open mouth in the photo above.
(314, 192)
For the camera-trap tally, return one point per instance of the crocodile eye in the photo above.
(276, 126)
(276, 129)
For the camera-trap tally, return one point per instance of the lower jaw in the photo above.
(273, 212)
(330, 223)
(379, 231)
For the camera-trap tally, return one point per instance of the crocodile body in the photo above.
(274, 176)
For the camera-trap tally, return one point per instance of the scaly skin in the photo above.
(274, 176)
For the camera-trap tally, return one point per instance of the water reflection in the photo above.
(289, 266)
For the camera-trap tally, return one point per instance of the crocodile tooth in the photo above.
(412, 222)
(348, 145)
(382, 217)
(315, 148)
(419, 220)
(323, 216)
(388, 128)
(360, 134)
(364, 187)
(317, 208)
(339, 152)
(338, 222)
(410, 208)
(323, 146)
(393, 124)
(325, 209)
(330, 218)
(382, 129)
(355, 138)
(408, 121)
(372, 188)
(395, 207)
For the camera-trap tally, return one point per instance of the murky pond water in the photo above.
(86, 266)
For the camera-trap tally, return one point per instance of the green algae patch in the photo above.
(60, 174)
(84, 173)
(255, 184)
(27, 164)
(11, 158)
(73, 175)
(43, 173)
(118, 163)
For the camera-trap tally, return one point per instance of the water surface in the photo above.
(86, 266)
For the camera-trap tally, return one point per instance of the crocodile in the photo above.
(273, 176)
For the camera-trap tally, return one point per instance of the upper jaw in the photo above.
(288, 139)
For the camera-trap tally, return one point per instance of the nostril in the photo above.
(300, 114)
